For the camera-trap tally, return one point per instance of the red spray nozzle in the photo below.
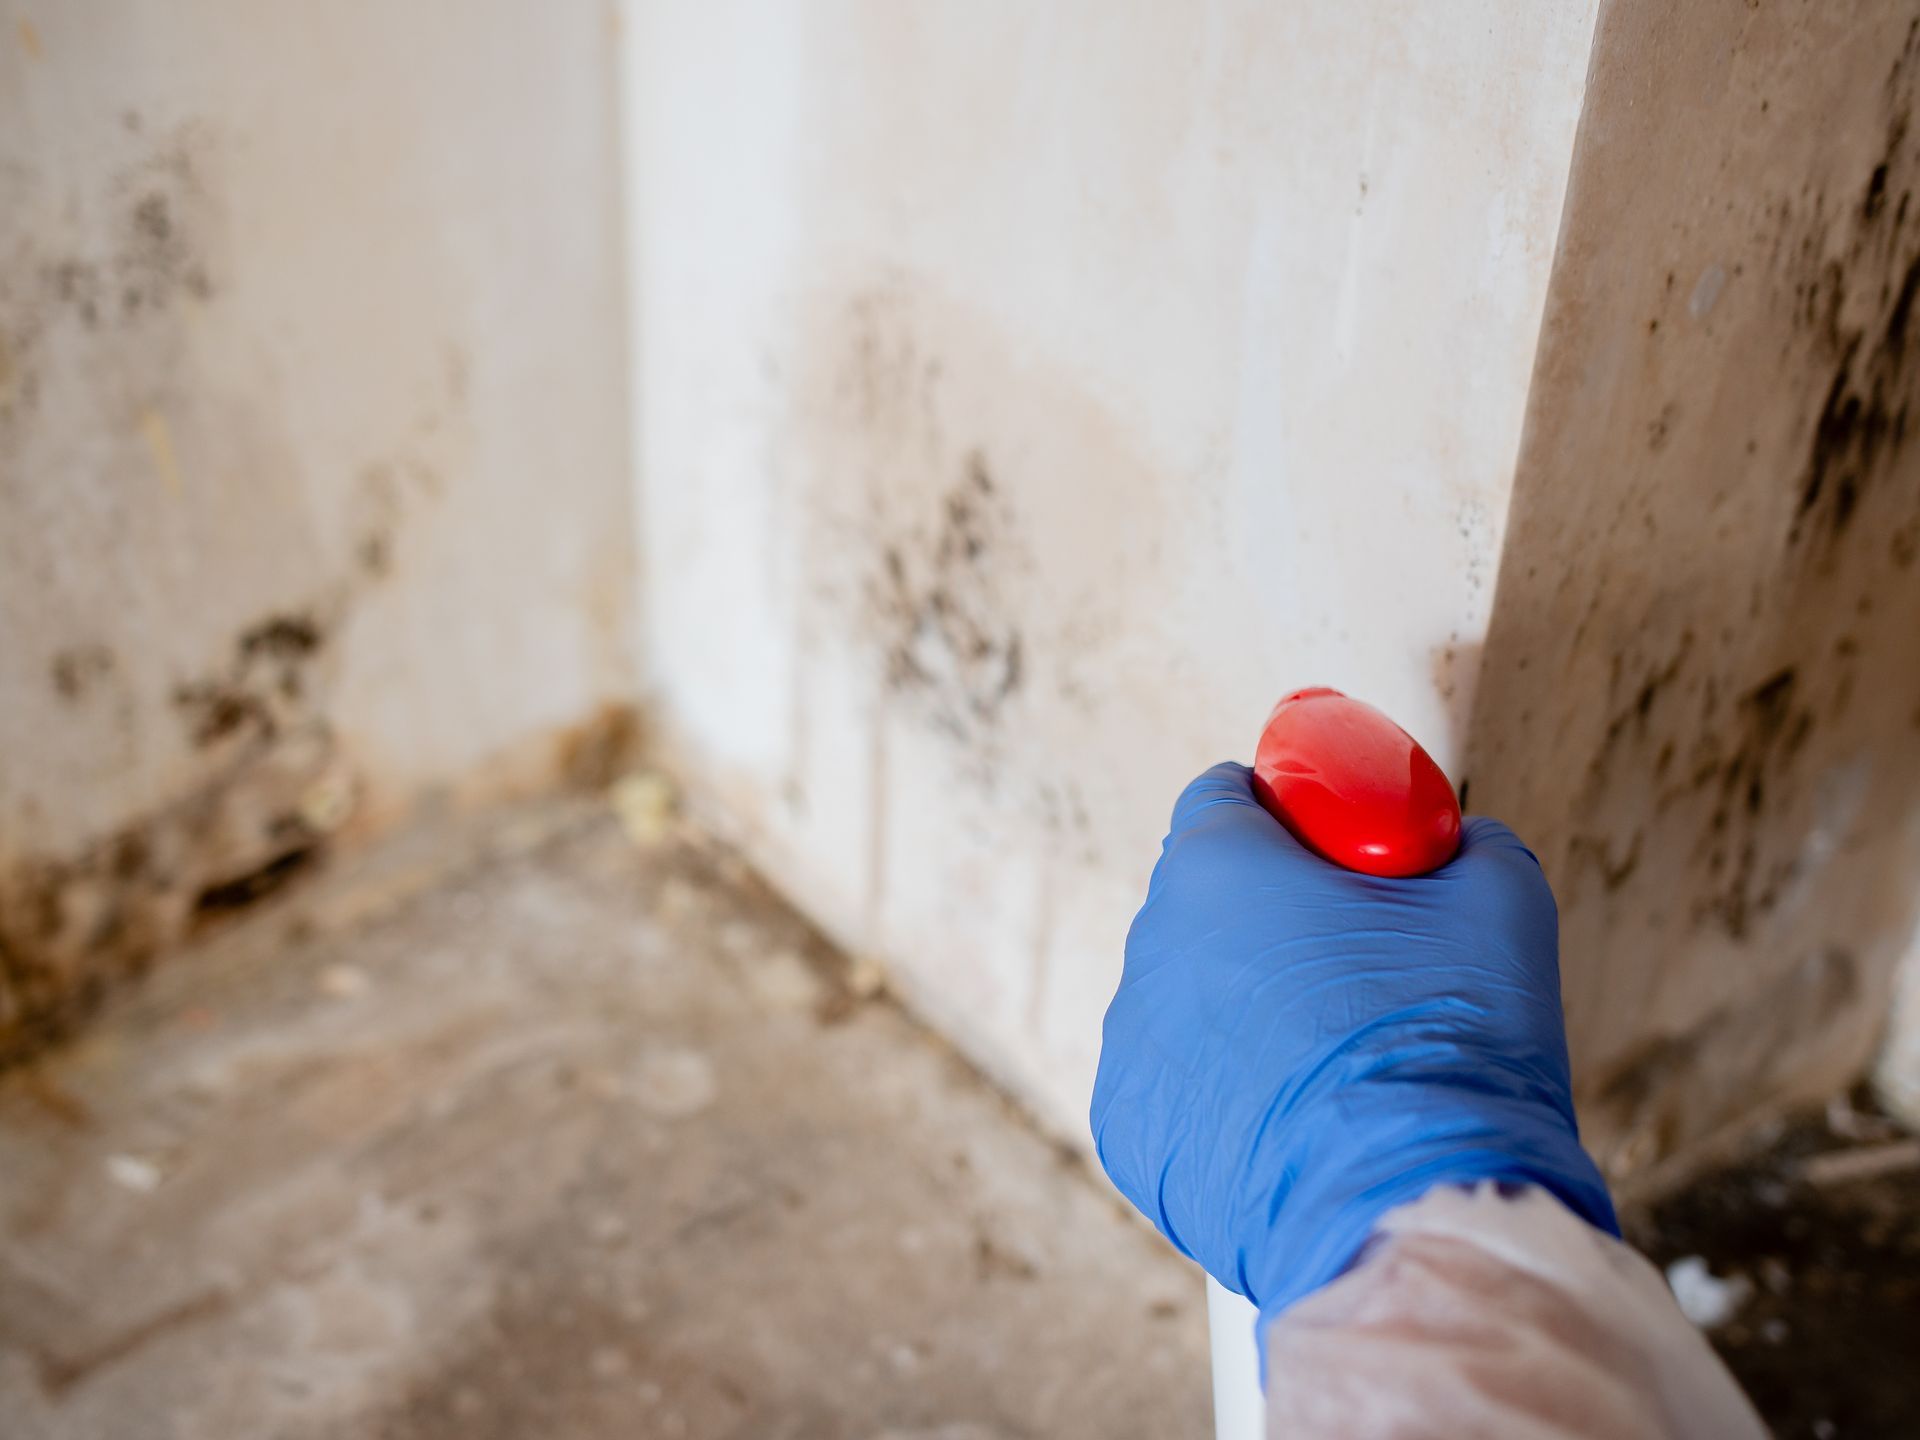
(1354, 787)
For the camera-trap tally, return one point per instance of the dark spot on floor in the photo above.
(1823, 1344)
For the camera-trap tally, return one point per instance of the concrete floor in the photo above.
(570, 1138)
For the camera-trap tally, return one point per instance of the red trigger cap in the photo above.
(1354, 787)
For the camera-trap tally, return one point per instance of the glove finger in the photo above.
(1227, 783)
(1488, 846)
(1508, 888)
(1222, 831)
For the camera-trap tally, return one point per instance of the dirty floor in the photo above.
(1813, 1237)
(581, 1140)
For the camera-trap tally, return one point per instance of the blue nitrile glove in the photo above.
(1296, 1049)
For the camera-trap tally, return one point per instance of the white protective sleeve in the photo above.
(1504, 1317)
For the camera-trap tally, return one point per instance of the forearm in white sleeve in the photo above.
(1499, 1316)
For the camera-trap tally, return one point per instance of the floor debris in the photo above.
(645, 803)
(1824, 1217)
(133, 1173)
(1704, 1298)
(585, 1169)
(1868, 1163)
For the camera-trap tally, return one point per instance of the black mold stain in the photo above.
(76, 672)
(1769, 732)
(1662, 426)
(936, 595)
(1860, 308)
(120, 261)
(1740, 780)
(266, 675)
(237, 893)
(155, 256)
(158, 258)
(74, 926)
(374, 554)
(1876, 196)
(1637, 713)
(378, 507)
(282, 637)
(1731, 761)
(1904, 545)
(1729, 784)
(1739, 777)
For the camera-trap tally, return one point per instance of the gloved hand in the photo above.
(1296, 1049)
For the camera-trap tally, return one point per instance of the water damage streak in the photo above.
(271, 791)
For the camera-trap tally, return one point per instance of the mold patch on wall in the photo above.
(260, 689)
(265, 517)
(930, 528)
(116, 273)
(184, 765)
(991, 539)
(275, 788)
(982, 553)
(1704, 649)
(1859, 304)
(952, 644)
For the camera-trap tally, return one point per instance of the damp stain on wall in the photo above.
(1843, 280)
(915, 503)
(117, 272)
(273, 788)
(261, 688)
(132, 439)
(1859, 303)
(1703, 649)
(1652, 1082)
(988, 538)
(979, 548)
(952, 645)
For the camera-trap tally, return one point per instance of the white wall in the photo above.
(312, 444)
(1027, 396)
